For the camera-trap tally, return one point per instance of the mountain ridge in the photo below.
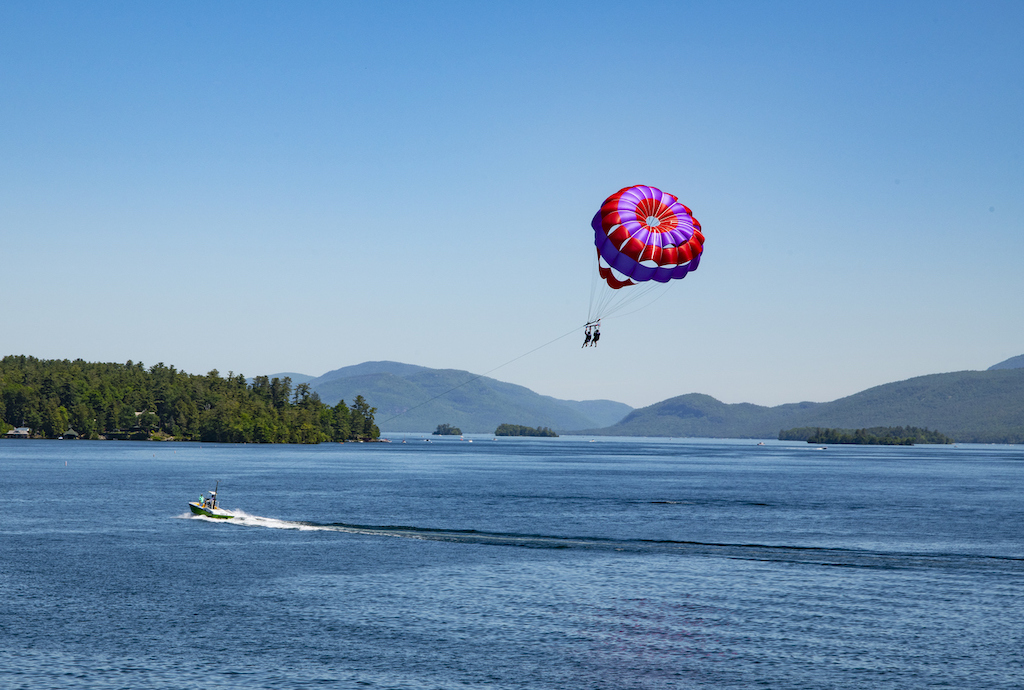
(410, 397)
(1011, 363)
(970, 406)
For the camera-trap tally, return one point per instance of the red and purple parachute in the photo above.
(643, 235)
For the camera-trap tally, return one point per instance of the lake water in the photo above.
(512, 563)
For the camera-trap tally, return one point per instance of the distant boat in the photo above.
(208, 507)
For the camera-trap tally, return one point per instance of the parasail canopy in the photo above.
(644, 234)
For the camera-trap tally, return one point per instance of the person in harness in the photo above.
(586, 338)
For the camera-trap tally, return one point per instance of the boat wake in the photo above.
(837, 557)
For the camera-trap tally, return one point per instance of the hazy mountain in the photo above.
(970, 406)
(607, 410)
(384, 367)
(1012, 363)
(415, 398)
(296, 378)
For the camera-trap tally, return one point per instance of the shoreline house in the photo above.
(19, 432)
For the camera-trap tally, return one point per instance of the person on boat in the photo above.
(586, 338)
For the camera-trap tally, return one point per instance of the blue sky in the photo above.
(266, 187)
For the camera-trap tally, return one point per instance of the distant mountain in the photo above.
(969, 406)
(1012, 363)
(366, 368)
(607, 410)
(296, 378)
(415, 398)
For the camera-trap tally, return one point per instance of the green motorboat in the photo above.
(208, 506)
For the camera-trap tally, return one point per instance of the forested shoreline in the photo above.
(876, 436)
(520, 430)
(109, 400)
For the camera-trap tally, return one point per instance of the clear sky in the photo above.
(265, 187)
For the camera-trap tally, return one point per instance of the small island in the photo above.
(875, 436)
(446, 430)
(519, 430)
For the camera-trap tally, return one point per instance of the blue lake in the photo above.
(512, 563)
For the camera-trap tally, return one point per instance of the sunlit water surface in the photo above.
(512, 563)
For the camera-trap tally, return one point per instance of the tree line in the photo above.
(877, 436)
(106, 400)
(520, 430)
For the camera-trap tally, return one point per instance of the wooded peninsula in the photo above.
(875, 436)
(78, 399)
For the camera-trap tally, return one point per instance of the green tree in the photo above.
(342, 422)
(124, 417)
(82, 421)
(362, 419)
(301, 394)
(148, 421)
(55, 420)
(280, 390)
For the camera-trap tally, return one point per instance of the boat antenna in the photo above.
(215, 493)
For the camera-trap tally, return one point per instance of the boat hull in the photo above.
(210, 512)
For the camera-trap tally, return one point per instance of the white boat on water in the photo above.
(208, 506)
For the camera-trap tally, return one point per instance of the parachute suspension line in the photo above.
(638, 293)
(480, 376)
(606, 301)
(593, 293)
(598, 294)
(602, 295)
(660, 295)
(637, 296)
